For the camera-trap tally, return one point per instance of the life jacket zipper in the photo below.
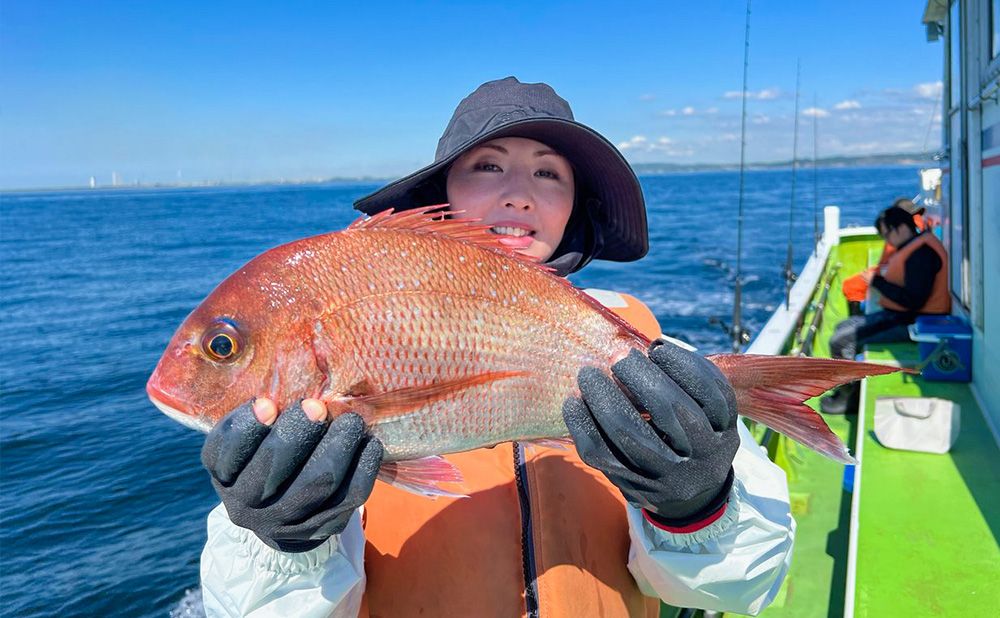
(527, 543)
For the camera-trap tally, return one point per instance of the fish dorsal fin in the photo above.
(432, 219)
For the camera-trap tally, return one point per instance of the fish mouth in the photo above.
(175, 409)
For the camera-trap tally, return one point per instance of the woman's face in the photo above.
(521, 188)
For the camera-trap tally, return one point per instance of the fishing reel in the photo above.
(737, 334)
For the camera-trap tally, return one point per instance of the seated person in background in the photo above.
(914, 281)
(855, 288)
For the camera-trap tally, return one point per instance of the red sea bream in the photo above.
(439, 337)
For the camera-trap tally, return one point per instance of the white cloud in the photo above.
(761, 95)
(929, 90)
(647, 97)
(863, 122)
(639, 144)
(637, 141)
(688, 110)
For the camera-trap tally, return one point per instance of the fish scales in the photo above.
(419, 324)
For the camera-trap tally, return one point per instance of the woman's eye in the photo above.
(488, 167)
(547, 174)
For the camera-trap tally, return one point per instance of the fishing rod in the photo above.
(789, 273)
(815, 178)
(737, 334)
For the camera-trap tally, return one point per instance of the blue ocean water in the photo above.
(102, 498)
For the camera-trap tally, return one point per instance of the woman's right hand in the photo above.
(293, 479)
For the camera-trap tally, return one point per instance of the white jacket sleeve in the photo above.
(241, 576)
(737, 563)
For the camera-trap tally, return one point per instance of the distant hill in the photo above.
(856, 161)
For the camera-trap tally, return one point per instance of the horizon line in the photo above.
(845, 160)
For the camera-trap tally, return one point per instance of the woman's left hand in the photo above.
(678, 465)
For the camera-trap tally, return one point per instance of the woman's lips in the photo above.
(521, 238)
(516, 242)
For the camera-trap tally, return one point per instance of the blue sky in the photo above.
(251, 90)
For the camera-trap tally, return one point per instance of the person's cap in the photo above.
(907, 204)
(509, 108)
(893, 217)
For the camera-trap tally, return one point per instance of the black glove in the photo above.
(677, 466)
(295, 483)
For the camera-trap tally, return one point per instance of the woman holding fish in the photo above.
(661, 494)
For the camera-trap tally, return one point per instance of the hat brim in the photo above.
(620, 212)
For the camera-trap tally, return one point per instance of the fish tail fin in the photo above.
(773, 389)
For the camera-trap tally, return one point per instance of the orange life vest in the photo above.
(470, 556)
(855, 288)
(940, 299)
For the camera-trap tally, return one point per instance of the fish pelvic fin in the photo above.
(773, 389)
(380, 406)
(422, 476)
(436, 220)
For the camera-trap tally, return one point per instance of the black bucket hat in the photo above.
(508, 108)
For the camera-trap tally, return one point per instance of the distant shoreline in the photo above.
(641, 169)
(878, 160)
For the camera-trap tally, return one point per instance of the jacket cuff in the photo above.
(705, 517)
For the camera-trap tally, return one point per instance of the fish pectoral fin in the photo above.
(422, 476)
(396, 402)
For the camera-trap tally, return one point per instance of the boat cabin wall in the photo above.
(971, 141)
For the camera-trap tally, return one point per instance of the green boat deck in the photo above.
(926, 529)
(927, 523)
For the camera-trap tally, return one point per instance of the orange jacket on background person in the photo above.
(855, 288)
(939, 301)
(588, 552)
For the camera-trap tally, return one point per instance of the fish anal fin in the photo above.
(422, 476)
(400, 401)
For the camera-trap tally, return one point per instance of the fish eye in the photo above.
(222, 342)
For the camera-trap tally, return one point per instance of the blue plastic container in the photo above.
(849, 478)
(945, 344)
